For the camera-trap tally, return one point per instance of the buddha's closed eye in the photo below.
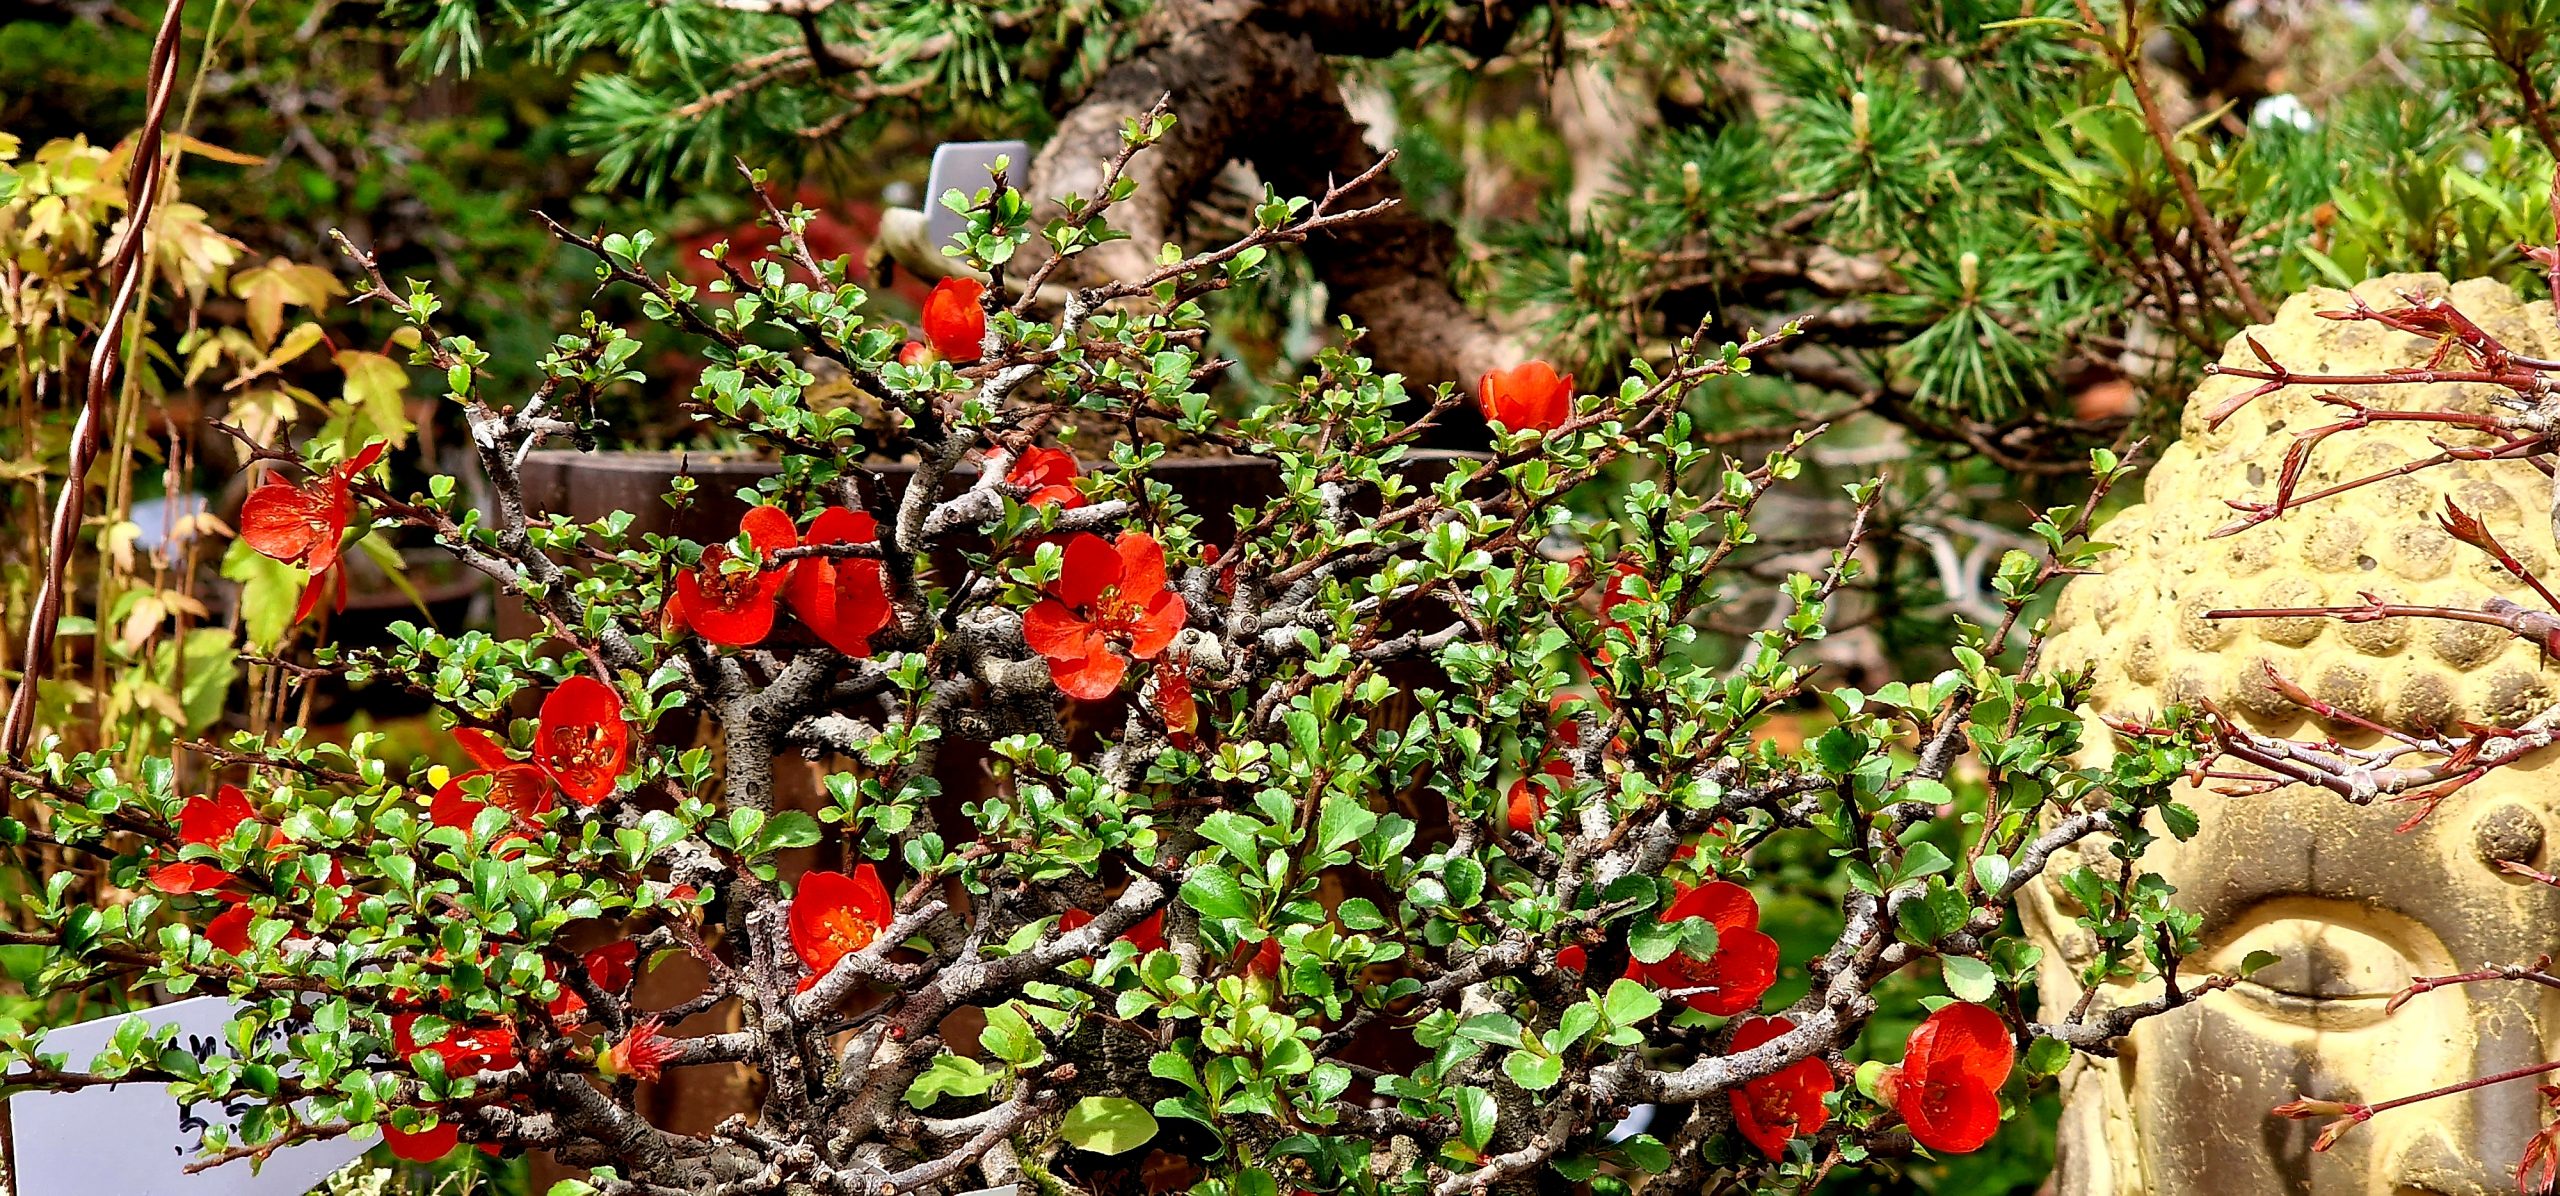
(2336, 963)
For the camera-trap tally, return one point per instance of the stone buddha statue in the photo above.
(2353, 906)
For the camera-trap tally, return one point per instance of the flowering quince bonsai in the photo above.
(1247, 872)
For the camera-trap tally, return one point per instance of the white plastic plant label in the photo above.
(135, 1139)
(966, 166)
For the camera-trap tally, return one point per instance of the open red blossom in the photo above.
(230, 931)
(642, 1053)
(1773, 1108)
(611, 968)
(466, 1050)
(304, 525)
(834, 915)
(518, 788)
(210, 820)
(1527, 397)
(840, 599)
(1744, 964)
(583, 742)
(422, 1146)
(1050, 475)
(189, 877)
(1147, 935)
(954, 320)
(730, 606)
(1948, 1086)
(1108, 606)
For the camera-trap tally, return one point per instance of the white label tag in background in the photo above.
(133, 1139)
(965, 166)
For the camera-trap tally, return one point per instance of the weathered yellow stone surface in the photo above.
(2354, 907)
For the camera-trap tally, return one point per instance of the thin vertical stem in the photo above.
(2206, 226)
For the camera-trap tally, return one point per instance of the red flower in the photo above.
(914, 353)
(611, 968)
(583, 742)
(841, 599)
(1525, 807)
(1147, 935)
(2540, 1166)
(953, 319)
(1948, 1087)
(834, 915)
(303, 525)
(1743, 965)
(1175, 705)
(1774, 1108)
(519, 789)
(465, 1050)
(1050, 475)
(1527, 397)
(640, 1054)
(422, 1146)
(1525, 804)
(188, 878)
(735, 607)
(1613, 594)
(210, 820)
(1261, 963)
(1109, 598)
(230, 931)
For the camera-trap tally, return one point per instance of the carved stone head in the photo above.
(2353, 906)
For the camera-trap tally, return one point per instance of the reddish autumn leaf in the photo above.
(1050, 476)
(1527, 397)
(230, 930)
(1773, 1108)
(843, 600)
(834, 915)
(583, 742)
(735, 606)
(1108, 606)
(1948, 1086)
(1744, 964)
(954, 319)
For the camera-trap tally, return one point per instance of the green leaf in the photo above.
(1533, 1071)
(2045, 1056)
(1344, 822)
(1476, 1116)
(1215, 893)
(2254, 961)
(949, 1075)
(1968, 978)
(1108, 1125)
(1629, 1002)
